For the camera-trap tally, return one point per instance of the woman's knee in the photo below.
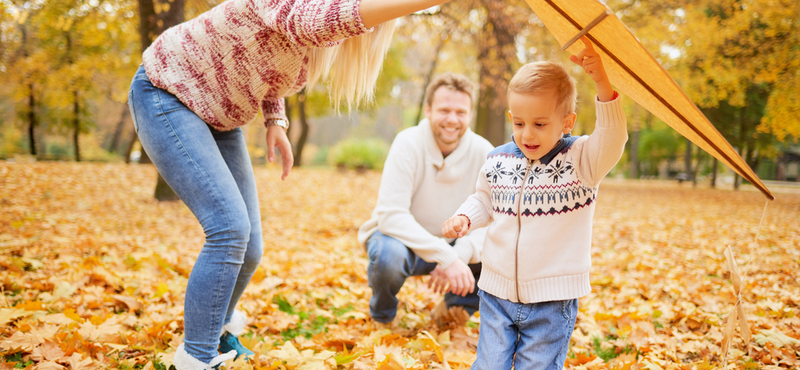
(233, 233)
(255, 250)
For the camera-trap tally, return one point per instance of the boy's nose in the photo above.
(528, 133)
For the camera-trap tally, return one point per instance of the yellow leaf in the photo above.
(390, 363)
(8, 314)
(161, 289)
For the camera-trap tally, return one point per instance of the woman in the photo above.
(199, 82)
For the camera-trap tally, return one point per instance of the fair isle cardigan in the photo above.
(537, 246)
(245, 54)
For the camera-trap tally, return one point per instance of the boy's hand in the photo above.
(456, 227)
(276, 136)
(591, 62)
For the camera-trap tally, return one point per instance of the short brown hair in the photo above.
(546, 77)
(452, 81)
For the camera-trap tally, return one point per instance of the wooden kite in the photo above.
(638, 75)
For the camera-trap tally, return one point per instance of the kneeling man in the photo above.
(430, 171)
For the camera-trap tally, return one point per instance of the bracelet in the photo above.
(278, 122)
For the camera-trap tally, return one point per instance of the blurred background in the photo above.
(66, 65)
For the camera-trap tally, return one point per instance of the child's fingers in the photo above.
(587, 43)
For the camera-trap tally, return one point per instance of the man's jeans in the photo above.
(537, 332)
(211, 172)
(390, 263)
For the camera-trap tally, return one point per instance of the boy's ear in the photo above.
(510, 117)
(569, 122)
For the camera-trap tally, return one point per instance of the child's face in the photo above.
(538, 126)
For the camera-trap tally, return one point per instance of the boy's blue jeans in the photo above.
(538, 333)
(390, 264)
(211, 172)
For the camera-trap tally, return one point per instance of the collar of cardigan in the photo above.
(566, 141)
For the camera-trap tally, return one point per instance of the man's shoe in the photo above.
(229, 342)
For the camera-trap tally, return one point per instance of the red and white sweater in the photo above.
(243, 54)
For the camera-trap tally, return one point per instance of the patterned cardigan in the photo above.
(246, 54)
(537, 246)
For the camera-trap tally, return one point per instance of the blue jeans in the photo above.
(390, 264)
(538, 333)
(211, 172)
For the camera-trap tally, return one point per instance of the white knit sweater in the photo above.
(420, 190)
(538, 243)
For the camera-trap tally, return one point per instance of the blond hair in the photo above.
(452, 81)
(546, 77)
(352, 67)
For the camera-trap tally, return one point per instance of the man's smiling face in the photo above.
(449, 115)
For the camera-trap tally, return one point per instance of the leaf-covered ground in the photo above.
(93, 272)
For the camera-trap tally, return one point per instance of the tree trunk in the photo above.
(32, 120)
(152, 24)
(301, 142)
(496, 54)
(113, 145)
(428, 79)
(714, 173)
(163, 192)
(131, 144)
(76, 125)
(687, 159)
(634, 170)
(700, 160)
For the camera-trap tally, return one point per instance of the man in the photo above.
(430, 170)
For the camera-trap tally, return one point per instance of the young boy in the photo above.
(537, 193)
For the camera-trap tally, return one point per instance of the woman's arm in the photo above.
(375, 12)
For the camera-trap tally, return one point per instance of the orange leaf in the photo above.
(48, 351)
(580, 359)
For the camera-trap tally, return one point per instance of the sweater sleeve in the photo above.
(470, 246)
(273, 109)
(604, 147)
(478, 207)
(394, 204)
(313, 23)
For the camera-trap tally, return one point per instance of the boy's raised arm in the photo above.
(591, 62)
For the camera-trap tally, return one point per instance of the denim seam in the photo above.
(217, 294)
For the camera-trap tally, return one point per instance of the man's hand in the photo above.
(457, 275)
(591, 62)
(276, 137)
(456, 226)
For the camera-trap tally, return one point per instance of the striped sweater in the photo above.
(538, 244)
(246, 54)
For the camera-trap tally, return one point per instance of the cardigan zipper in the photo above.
(519, 230)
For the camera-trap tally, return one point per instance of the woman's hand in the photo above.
(276, 137)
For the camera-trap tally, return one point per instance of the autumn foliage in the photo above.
(93, 272)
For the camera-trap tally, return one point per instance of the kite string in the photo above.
(755, 242)
(739, 299)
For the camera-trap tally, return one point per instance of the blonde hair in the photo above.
(452, 81)
(352, 67)
(546, 77)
